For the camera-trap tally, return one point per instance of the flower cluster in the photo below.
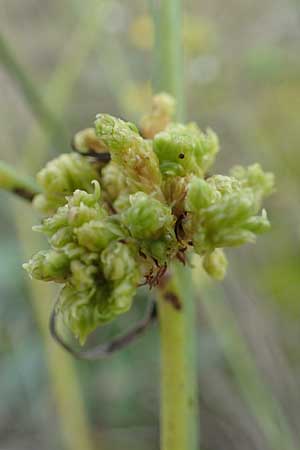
(116, 225)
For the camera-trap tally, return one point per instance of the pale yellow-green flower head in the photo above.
(114, 225)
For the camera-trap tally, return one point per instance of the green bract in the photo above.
(113, 226)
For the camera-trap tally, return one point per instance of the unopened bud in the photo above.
(147, 217)
(215, 264)
(48, 265)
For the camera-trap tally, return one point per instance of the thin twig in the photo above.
(51, 126)
(20, 185)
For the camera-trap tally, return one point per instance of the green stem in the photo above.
(12, 181)
(44, 116)
(177, 306)
(179, 399)
(168, 58)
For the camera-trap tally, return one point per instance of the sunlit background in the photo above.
(242, 78)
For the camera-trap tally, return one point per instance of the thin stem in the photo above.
(52, 127)
(168, 58)
(179, 399)
(12, 181)
(177, 308)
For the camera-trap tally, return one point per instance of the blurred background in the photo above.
(61, 62)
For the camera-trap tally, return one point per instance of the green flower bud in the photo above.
(258, 224)
(83, 275)
(48, 265)
(83, 311)
(231, 210)
(232, 237)
(61, 177)
(113, 180)
(81, 207)
(122, 202)
(147, 217)
(261, 183)
(123, 293)
(184, 149)
(200, 195)
(174, 189)
(50, 225)
(84, 207)
(163, 108)
(97, 234)
(224, 185)
(62, 237)
(117, 261)
(73, 251)
(116, 134)
(86, 141)
(161, 249)
(230, 221)
(215, 264)
(130, 152)
(201, 242)
(82, 197)
(90, 258)
(79, 215)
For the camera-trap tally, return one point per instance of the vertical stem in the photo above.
(179, 399)
(50, 124)
(177, 307)
(168, 58)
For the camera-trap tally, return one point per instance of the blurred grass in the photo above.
(50, 125)
(254, 390)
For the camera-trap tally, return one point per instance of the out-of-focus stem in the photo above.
(44, 116)
(16, 183)
(168, 57)
(70, 66)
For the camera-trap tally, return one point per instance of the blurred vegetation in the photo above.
(242, 78)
